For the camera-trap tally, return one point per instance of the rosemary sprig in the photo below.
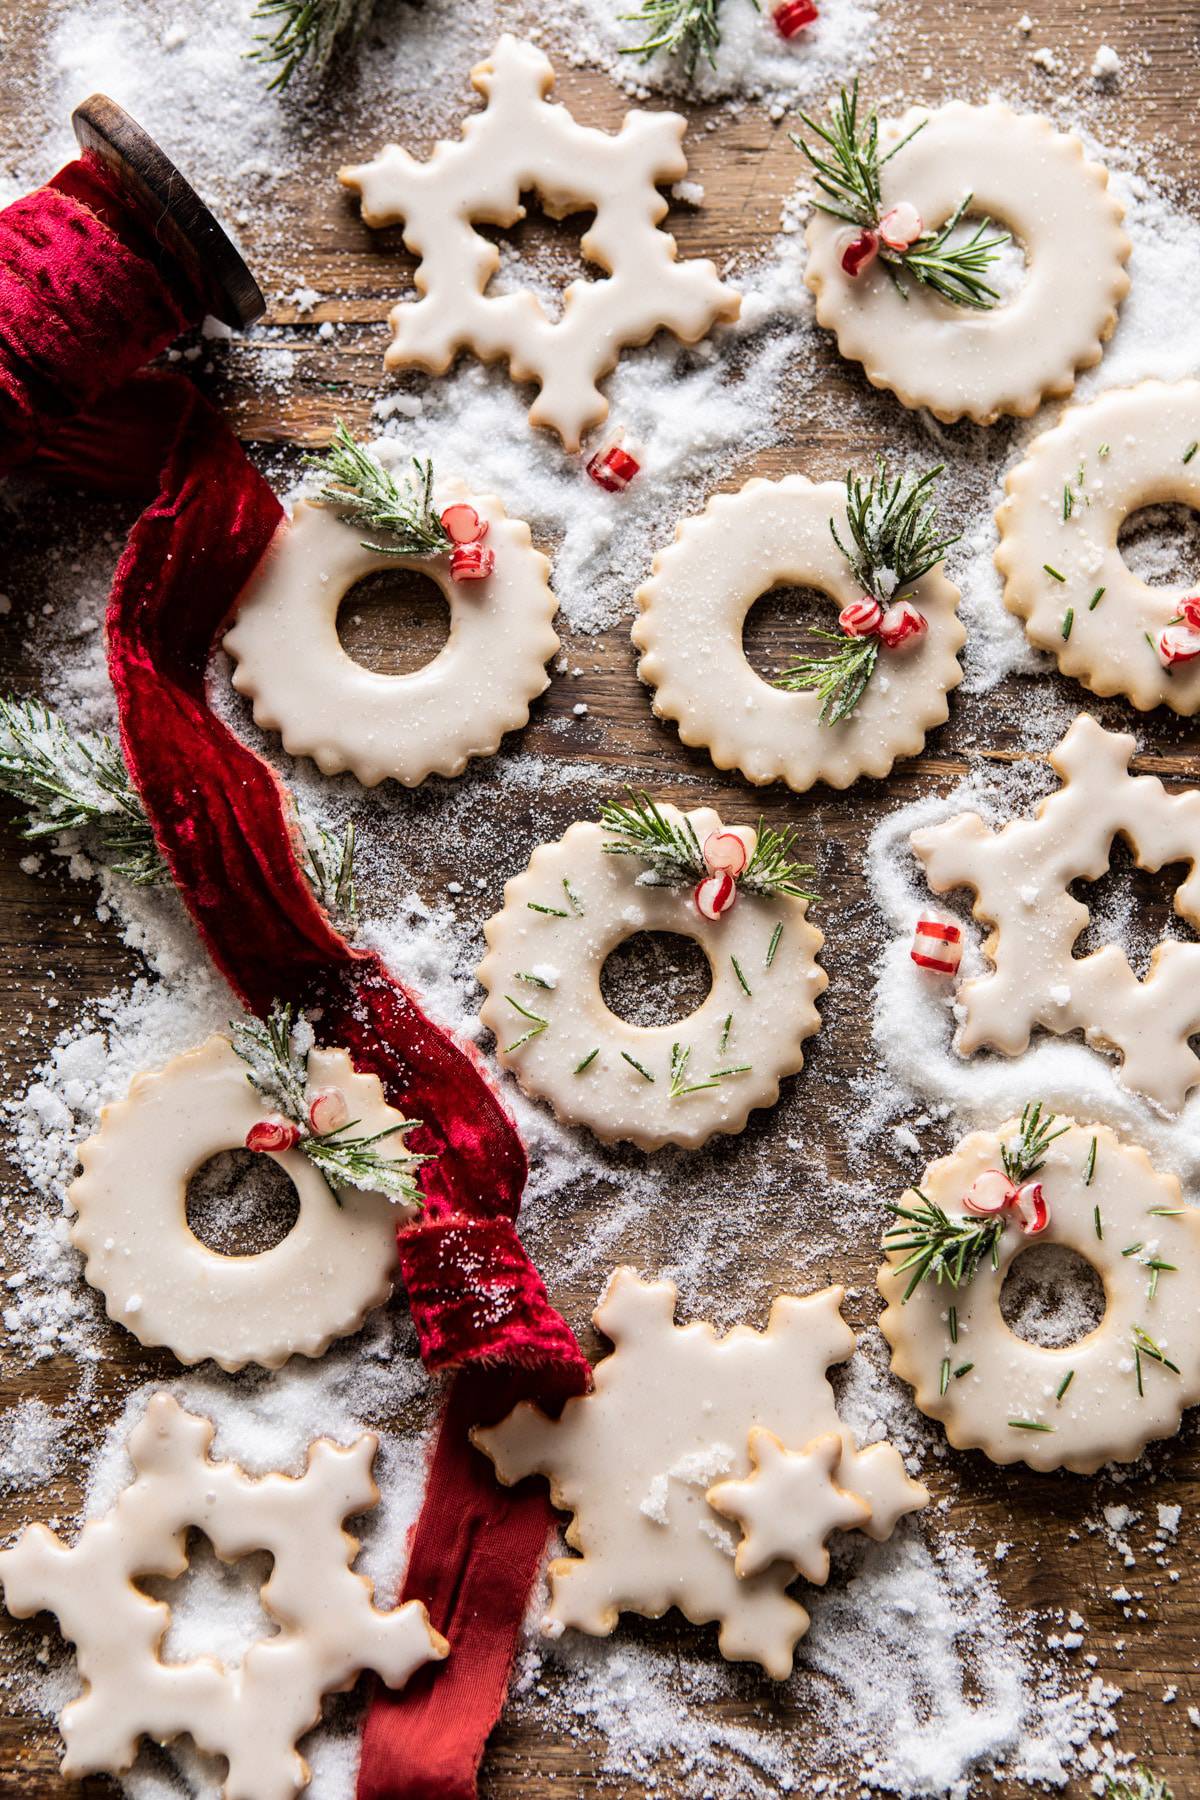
(303, 31)
(1026, 1156)
(1138, 1783)
(847, 172)
(839, 678)
(76, 781)
(894, 540)
(773, 869)
(641, 828)
(361, 488)
(940, 1248)
(687, 29)
(275, 1051)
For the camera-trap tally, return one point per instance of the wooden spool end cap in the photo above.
(174, 211)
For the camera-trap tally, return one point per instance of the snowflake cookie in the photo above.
(1063, 571)
(254, 1713)
(1100, 1399)
(672, 1409)
(166, 1287)
(1021, 875)
(659, 1084)
(789, 1505)
(694, 608)
(523, 143)
(968, 360)
(289, 659)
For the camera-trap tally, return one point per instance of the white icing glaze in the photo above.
(693, 609)
(1020, 876)
(522, 143)
(1148, 430)
(767, 1026)
(788, 1506)
(166, 1287)
(1031, 180)
(290, 661)
(1101, 1416)
(672, 1407)
(252, 1713)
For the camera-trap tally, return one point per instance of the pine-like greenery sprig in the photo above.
(304, 31)
(275, 1051)
(894, 540)
(371, 498)
(76, 781)
(940, 1248)
(847, 172)
(687, 29)
(1138, 1783)
(1024, 1157)
(675, 855)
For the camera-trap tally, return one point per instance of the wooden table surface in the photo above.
(50, 942)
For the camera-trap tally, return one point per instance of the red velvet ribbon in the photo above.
(86, 297)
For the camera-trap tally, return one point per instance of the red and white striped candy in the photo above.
(861, 618)
(1178, 644)
(1189, 611)
(989, 1194)
(715, 895)
(860, 253)
(727, 852)
(613, 467)
(937, 945)
(1029, 1205)
(463, 525)
(327, 1111)
(794, 16)
(901, 226)
(472, 562)
(901, 623)
(274, 1134)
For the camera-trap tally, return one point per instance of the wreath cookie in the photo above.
(911, 296)
(290, 661)
(335, 1264)
(833, 716)
(1100, 1399)
(651, 868)
(1021, 876)
(523, 143)
(1063, 572)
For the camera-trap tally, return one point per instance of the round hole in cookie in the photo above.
(216, 1609)
(1132, 907)
(241, 1204)
(781, 627)
(1160, 544)
(540, 254)
(393, 622)
(1051, 1296)
(655, 978)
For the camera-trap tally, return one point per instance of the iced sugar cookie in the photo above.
(521, 143)
(873, 687)
(253, 1713)
(289, 659)
(165, 1286)
(1021, 877)
(1063, 572)
(672, 1411)
(904, 264)
(738, 893)
(1098, 1400)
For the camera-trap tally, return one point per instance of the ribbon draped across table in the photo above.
(86, 299)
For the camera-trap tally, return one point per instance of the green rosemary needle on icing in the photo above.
(539, 1024)
(1144, 1345)
(641, 1068)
